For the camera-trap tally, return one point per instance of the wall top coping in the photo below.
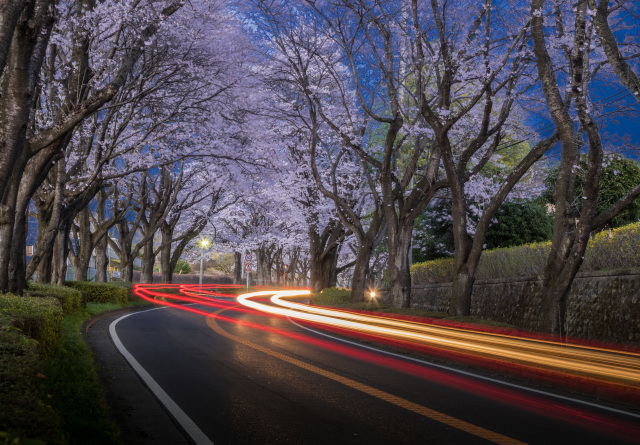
(580, 275)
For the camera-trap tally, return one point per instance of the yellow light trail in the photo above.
(581, 361)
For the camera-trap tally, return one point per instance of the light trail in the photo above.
(588, 362)
(388, 330)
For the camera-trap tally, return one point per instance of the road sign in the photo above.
(247, 267)
(248, 257)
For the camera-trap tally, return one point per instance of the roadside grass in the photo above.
(340, 298)
(72, 385)
(73, 389)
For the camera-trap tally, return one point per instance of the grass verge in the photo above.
(72, 383)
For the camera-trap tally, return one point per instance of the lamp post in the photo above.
(284, 282)
(203, 244)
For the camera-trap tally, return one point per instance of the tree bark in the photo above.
(399, 239)
(165, 253)
(148, 260)
(570, 234)
(60, 254)
(237, 268)
(102, 261)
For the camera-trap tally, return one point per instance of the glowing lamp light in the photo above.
(204, 243)
(373, 294)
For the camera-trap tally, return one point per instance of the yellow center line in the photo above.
(398, 401)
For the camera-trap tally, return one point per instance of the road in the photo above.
(243, 376)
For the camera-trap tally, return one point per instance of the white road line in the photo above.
(181, 417)
(500, 382)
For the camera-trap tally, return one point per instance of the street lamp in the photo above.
(204, 243)
(285, 267)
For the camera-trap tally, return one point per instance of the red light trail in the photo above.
(614, 370)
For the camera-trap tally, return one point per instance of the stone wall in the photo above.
(603, 306)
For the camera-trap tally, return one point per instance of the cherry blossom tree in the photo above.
(573, 48)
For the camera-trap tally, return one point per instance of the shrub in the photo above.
(614, 249)
(24, 412)
(70, 299)
(125, 285)
(182, 267)
(38, 318)
(607, 250)
(521, 261)
(101, 292)
(434, 271)
(333, 296)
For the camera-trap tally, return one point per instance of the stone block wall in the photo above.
(602, 306)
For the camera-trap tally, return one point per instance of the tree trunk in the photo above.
(83, 246)
(361, 270)
(102, 261)
(60, 254)
(148, 260)
(323, 253)
(165, 253)
(81, 268)
(237, 268)
(7, 221)
(17, 264)
(570, 235)
(399, 239)
(329, 268)
(44, 271)
(462, 288)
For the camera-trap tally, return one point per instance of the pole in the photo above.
(248, 279)
(201, 265)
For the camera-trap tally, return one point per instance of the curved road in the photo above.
(247, 377)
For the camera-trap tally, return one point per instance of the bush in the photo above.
(125, 285)
(521, 261)
(70, 299)
(333, 296)
(102, 292)
(38, 318)
(24, 410)
(614, 249)
(607, 250)
(434, 271)
(182, 267)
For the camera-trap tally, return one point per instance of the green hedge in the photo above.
(608, 250)
(102, 292)
(70, 299)
(23, 407)
(38, 318)
(125, 285)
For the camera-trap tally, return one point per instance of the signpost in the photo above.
(247, 266)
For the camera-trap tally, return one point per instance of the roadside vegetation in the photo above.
(340, 298)
(607, 250)
(49, 392)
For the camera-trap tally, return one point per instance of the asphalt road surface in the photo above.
(250, 378)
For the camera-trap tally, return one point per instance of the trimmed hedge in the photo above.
(102, 292)
(24, 410)
(38, 318)
(125, 285)
(70, 299)
(608, 250)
